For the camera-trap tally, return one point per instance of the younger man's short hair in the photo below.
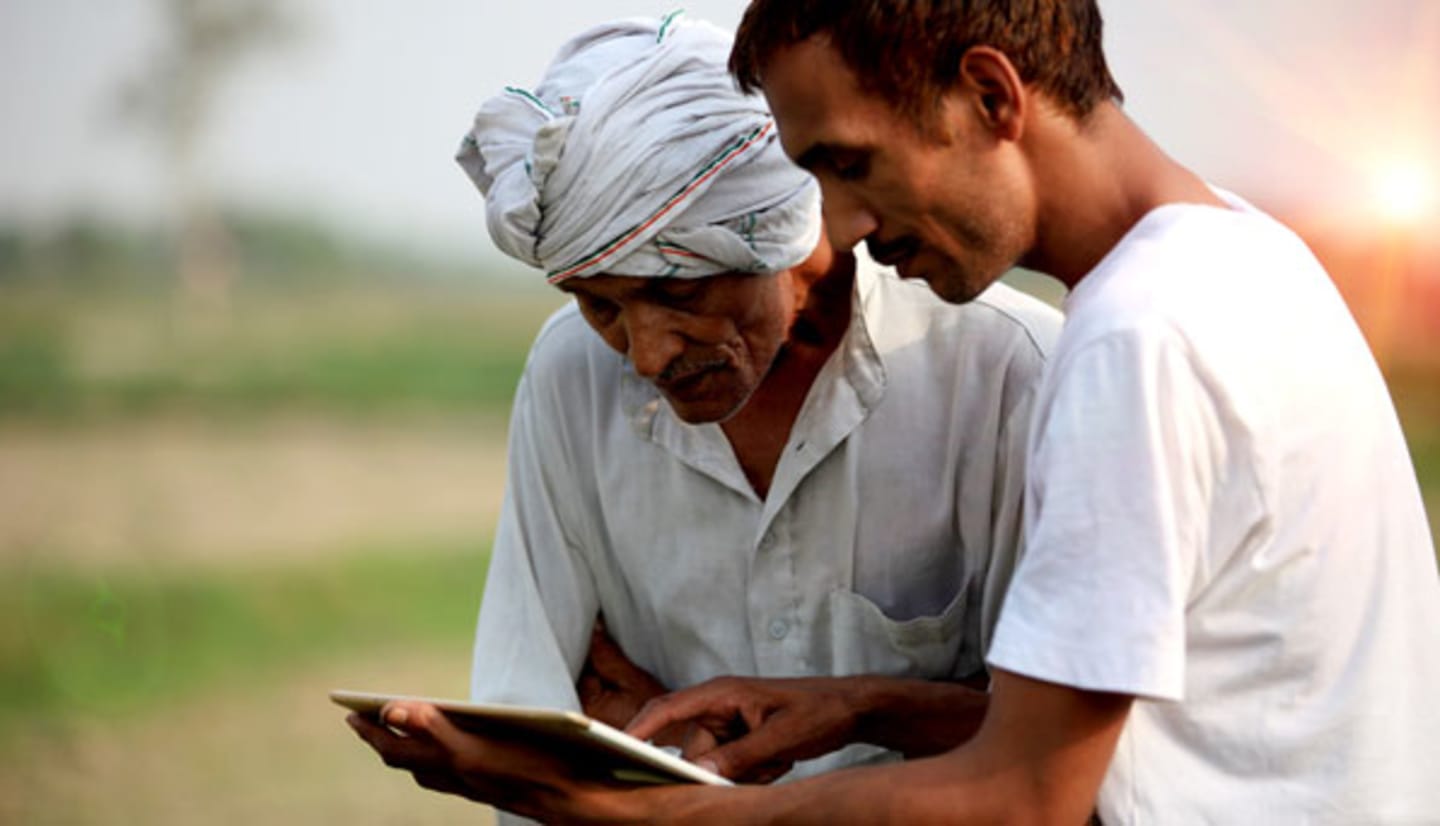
(908, 51)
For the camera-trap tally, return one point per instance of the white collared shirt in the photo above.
(889, 532)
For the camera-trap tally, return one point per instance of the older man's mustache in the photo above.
(685, 368)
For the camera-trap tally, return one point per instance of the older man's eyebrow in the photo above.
(570, 289)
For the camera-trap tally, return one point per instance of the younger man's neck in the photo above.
(1097, 178)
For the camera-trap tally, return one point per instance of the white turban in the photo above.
(636, 155)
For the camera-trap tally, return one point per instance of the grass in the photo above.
(1416, 389)
(108, 645)
(1417, 398)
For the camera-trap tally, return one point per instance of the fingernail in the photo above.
(708, 765)
(397, 716)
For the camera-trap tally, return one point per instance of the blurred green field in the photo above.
(215, 508)
(368, 350)
(113, 644)
(212, 510)
(1417, 397)
(1416, 389)
(96, 667)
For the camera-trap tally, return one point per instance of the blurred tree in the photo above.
(176, 97)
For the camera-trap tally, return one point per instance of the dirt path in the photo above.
(192, 491)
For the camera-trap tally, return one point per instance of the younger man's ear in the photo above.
(993, 85)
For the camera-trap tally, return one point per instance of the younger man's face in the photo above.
(949, 204)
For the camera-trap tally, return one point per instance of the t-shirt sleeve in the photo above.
(1120, 482)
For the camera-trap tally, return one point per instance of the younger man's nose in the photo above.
(847, 221)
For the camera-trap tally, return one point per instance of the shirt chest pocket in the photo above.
(863, 640)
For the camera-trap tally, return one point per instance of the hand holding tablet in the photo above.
(602, 748)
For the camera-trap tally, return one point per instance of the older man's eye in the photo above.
(598, 310)
(679, 292)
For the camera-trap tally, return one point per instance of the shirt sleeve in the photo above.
(1121, 478)
(540, 600)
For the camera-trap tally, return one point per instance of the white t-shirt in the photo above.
(889, 533)
(1224, 521)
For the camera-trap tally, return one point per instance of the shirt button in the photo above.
(778, 629)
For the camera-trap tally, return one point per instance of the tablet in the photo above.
(601, 748)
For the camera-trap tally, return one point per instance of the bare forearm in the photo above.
(917, 718)
(1039, 757)
(992, 779)
(784, 720)
(937, 789)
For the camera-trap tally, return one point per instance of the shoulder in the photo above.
(1019, 315)
(1001, 323)
(1199, 276)
(978, 361)
(1187, 260)
(568, 360)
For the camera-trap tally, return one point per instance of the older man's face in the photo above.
(706, 343)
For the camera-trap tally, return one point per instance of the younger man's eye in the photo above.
(849, 166)
(852, 170)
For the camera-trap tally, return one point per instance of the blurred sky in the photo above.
(1326, 105)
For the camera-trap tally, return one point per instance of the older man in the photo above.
(1228, 610)
(751, 454)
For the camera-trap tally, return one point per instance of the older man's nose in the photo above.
(653, 345)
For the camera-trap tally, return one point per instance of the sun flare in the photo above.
(1405, 191)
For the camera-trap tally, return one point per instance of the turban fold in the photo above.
(636, 155)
